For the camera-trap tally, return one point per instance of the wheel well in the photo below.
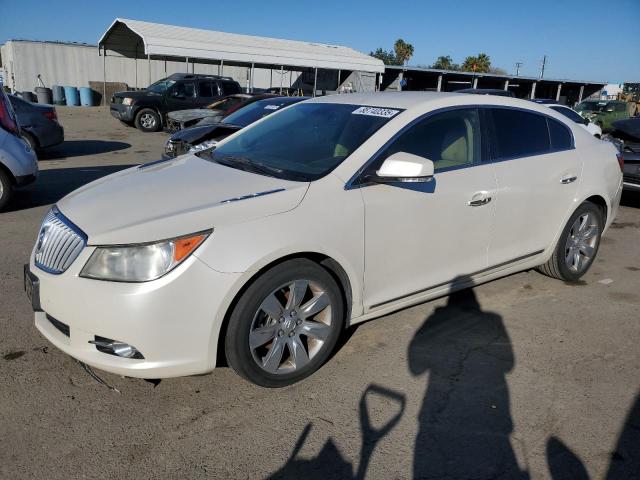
(34, 137)
(599, 201)
(328, 263)
(4, 168)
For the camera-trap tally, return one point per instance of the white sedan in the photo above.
(325, 214)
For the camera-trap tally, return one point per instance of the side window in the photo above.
(207, 89)
(560, 135)
(185, 89)
(570, 114)
(230, 88)
(519, 133)
(449, 139)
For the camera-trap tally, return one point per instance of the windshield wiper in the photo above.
(248, 165)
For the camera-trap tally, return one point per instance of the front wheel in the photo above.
(6, 189)
(577, 246)
(285, 325)
(148, 120)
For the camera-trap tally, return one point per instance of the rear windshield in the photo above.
(256, 110)
(304, 142)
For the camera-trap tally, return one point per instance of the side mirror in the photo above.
(586, 121)
(404, 167)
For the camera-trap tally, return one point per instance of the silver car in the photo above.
(18, 162)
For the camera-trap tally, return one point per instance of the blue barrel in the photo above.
(86, 97)
(71, 96)
(58, 95)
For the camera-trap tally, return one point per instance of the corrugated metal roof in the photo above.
(170, 40)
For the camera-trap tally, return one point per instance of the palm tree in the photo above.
(404, 51)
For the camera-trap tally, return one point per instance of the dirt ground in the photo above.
(524, 377)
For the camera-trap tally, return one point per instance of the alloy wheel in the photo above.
(147, 120)
(290, 327)
(581, 242)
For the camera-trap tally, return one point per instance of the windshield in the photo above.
(256, 110)
(591, 106)
(304, 142)
(161, 85)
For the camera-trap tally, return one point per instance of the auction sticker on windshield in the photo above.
(376, 112)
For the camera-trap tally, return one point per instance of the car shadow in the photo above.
(630, 198)
(80, 148)
(53, 184)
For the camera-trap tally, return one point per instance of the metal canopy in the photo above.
(127, 37)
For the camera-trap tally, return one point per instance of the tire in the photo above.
(6, 189)
(148, 120)
(564, 264)
(287, 349)
(30, 139)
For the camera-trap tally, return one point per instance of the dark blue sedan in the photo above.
(39, 125)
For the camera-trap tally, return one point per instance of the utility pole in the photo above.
(544, 62)
(518, 65)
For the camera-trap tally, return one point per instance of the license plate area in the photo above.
(32, 289)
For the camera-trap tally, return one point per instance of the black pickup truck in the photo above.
(146, 109)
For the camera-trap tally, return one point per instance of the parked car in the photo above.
(328, 213)
(211, 114)
(39, 125)
(18, 162)
(603, 112)
(206, 136)
(487, 91)
(626, 135)
(147, 109)
(574, 116)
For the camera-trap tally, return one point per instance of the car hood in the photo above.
(165, 199)
(194, 114)
(629, 127)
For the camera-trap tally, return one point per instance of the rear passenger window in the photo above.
(207, 89)
(560, 135)
(519, 133)
(230, 88)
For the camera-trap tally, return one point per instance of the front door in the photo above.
(423, 235)
(181, 96)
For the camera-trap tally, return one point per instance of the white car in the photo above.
(323, 215)
(574, 116)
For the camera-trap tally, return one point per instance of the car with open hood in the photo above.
(327, 213)
(603, 112)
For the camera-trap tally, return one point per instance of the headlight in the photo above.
(206, 145)
(127, 101)
(142, 262)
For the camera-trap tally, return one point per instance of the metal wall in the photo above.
(76, 65)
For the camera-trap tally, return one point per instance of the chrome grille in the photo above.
(59, 243)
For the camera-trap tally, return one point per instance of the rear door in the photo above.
(207, 92)
(538, 172)
(182, 96)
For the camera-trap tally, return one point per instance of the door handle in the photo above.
(480, 202)
(567, 180)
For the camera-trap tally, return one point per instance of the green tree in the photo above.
(480, 63)
(387, 57)
(444, 62)
(404, 51)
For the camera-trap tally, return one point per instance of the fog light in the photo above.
(114, 347)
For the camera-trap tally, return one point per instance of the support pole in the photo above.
(533, 90)
(581, 93)
(558, 92)
(506, 85)
(439, 87)
(400, 78)
(149, 68)
(475, 83)
(281, 75)
(253, 70)
(338, 86)
(315, 81)
(104, 74)
(187, 64)
(222, 68)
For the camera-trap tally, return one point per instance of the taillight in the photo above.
(50, 115)
(620, 161)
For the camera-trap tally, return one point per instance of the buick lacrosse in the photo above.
(328, 213)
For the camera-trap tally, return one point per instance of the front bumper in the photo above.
(173, 321)
(122, 112)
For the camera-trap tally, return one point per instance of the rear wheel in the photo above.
(27, 137)
(286, 324)
(148, 120)
(577, 246)
(6, 189)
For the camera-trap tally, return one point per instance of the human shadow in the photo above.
(625, 459)
(563, 463)
(465, 419)
(55, 183)
(80, 148)
(329, 463)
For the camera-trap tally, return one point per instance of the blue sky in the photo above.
(583, 39)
